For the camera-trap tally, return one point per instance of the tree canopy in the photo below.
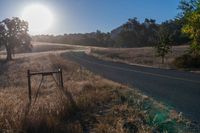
(14, 34)
(191, 15)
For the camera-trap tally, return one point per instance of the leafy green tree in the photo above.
(191, 14)
(162, 49)
(13, 34)
(193, 29)
(163, 46)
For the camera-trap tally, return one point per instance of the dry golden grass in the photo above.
(41, 47)
(142, 56)
(88, 103)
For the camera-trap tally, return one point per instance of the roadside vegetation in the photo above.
(88, 103)
(190, 15)
(142, 56)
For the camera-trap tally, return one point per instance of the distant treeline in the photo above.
(97, 38)
(131, 34)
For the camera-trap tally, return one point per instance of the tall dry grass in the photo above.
(88, 103)
(142, 56)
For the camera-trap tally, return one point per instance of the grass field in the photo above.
(88, 103)
(142, 56)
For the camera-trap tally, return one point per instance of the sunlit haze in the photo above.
(39, 18)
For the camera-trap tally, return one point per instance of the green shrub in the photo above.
(187, 61)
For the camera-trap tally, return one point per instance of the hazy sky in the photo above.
(80, 16)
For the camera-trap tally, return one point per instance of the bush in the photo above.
(187, 61)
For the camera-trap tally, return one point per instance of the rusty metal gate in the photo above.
(43, 74)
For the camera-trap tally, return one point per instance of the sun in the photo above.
(39, 17)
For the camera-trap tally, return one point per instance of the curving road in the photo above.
(178, 89)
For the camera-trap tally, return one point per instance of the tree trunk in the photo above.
(9, 53)
(163, 59)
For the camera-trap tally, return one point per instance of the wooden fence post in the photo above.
(61, 78)
(29, 84)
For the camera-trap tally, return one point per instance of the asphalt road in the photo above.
(178, 89)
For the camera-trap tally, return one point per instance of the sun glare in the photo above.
(39, 17)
